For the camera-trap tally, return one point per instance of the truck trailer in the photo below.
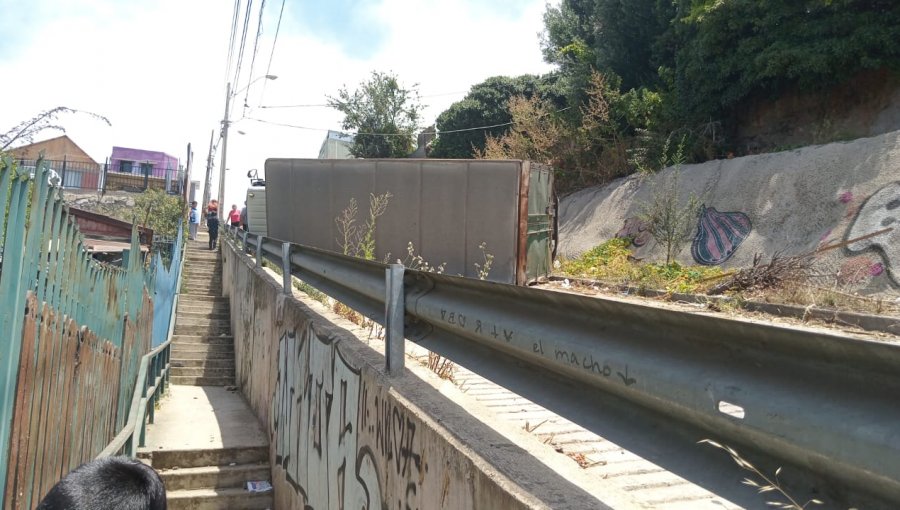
(446, 209)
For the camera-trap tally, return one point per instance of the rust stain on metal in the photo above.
(522, 237)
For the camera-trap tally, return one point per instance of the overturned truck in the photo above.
(445, 208)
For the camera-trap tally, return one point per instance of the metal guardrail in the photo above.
(824, 402)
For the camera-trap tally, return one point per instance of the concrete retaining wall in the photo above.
(343, 435)
(791, 202)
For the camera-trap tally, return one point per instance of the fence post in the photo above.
(62, 177)
(394, 307)
(244, 242)
(286, 268)
(105, 176)
(259, 255)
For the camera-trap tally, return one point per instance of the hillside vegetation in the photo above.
(632, 76)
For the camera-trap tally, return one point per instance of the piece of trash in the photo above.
(232, 463)
(231, 388)
(260, 486)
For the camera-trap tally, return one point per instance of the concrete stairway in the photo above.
(205, 442)
(206, 445)
(202, 345)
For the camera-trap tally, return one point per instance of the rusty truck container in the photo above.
(445, 208)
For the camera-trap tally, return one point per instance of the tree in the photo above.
(730, 51)
(159, 211)
(610, 36)
(486, 104)
(25, 131)
(383, 114)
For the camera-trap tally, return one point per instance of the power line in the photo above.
(479, 128)
(229, 60)
(240, 59)
(272, 54)
(327, 105)
(259, 27)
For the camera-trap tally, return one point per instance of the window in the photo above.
(146, 168)
(126, 166)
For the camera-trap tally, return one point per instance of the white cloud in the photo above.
(156, 69)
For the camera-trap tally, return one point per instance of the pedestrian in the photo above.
(244, 217)
(193, 221)
(212, 223)
(112, 483)
(234, 216)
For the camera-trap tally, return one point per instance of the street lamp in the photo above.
(225, 122)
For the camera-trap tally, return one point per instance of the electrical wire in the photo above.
(478, 128)
(259, 28)
(229, 60)
(326, 105)
(272, 54)
(240, 60)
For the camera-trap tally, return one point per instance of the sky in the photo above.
(157, 68)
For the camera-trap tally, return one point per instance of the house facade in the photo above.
(67, 161)
(142, 162)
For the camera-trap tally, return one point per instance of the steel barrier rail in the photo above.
(821, 401)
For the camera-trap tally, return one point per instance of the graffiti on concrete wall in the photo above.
(315, 424)
(635, 229)
(879, 213)
(719, 234)
(393, 434)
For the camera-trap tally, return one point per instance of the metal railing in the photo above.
(821, 401)
(90, 176)
(152, 383)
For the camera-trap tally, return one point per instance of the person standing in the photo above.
(193, 221)
(244, 217)
(212, 223)
(234, 216)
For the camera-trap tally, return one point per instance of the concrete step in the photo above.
(197, 305)
(201, 293)
(201, 281)
(214, 477)
(202, 351)
(188, 380)
(219, 499)
(203, 363)
(203, 330)
(221, 315)
(181, 320)
(212, 372)
(187, 340)
(168, 459)
(205, 300)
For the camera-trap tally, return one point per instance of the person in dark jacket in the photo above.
(212, 223)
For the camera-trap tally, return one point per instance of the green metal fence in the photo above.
(74, 331)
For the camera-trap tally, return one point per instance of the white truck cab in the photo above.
(256, 205)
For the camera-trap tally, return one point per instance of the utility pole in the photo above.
(207, 185)
(224, 154)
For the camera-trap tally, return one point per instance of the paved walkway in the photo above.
(201, 418)
(205, 441)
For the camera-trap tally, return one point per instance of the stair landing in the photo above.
(206, 444)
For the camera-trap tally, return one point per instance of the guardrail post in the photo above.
(244, 242)
(286, 268)
(394, 338)
(259, 243)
